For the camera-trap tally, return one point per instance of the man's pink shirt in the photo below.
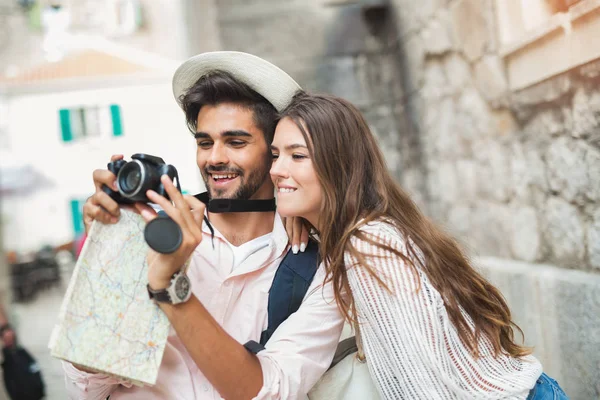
(295, 357)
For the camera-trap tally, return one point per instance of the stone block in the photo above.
(383, 125)
(349, 32)
(525, 237)
(518, 285)
(438, 35)
(459, 221)
(339, 76)
(441, 135)
(491, 228)
(380, 75)
(467, 176)
(578, 306)
(493, 170)
(527, 171)
(567, 169)
(584, 117)
(592, 162)
(476, 118)
(472, 27)
(590, 70)
(557, 309)
(298, 31)
(525, 103)
(505, 123)
(563, 230)
(546, 124)
(447, 183)
(593, 240)
(412, 56)
(305, 73)
(411, 16)
(490, 78)
(435, 83)
(411, 142)
(458, 72)
(245, 5)
(413, 182)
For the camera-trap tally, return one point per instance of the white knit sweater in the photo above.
(413, 350)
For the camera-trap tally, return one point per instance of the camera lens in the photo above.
(130, 178)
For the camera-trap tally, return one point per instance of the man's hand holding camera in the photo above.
(100, 206)
(142, 173)
(188, 213)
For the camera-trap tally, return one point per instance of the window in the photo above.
(87, 122)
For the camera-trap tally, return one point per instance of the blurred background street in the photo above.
(488, 112)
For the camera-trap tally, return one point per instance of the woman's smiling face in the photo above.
(298, 188)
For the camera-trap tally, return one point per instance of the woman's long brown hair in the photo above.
(358, 188)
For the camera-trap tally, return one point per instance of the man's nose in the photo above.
(218, 155)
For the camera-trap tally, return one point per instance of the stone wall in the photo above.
(516, 175)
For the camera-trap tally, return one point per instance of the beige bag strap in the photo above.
(360, 354)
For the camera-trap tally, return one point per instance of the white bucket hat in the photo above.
(265, 78)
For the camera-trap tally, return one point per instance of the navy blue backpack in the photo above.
(292, 279)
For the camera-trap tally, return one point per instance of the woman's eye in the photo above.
(274, 156)
(298, 156)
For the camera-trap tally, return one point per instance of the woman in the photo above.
(431, 326)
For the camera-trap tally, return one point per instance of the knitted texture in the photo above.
(413, 350)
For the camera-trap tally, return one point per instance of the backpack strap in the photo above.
(290, 284)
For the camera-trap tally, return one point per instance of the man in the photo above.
(233, 121)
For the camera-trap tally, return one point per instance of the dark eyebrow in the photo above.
(230, 134)
(296, 146)
(291, 147)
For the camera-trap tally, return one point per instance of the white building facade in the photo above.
(66, 128)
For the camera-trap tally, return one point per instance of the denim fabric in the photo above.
(546, 388)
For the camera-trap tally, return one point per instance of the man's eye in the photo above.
(204, 145)
(237, 143)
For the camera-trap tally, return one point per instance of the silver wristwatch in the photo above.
(179, 291)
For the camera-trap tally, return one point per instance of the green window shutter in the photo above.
(65, 125)
(115, 113)
(77, 215)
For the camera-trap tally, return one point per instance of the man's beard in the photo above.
(247, 188)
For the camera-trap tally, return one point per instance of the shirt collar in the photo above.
(279, 239)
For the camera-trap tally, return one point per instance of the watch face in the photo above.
(182, 287)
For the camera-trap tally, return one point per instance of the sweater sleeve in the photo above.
(413, 350)
(399, 323)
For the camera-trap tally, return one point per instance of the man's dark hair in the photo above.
(219, 87)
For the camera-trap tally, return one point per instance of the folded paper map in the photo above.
(107, 322)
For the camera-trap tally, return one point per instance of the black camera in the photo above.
(137, 176)
(134, 178)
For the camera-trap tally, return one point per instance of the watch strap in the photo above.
(161, 296)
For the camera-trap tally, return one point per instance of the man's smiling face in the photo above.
(232, 153)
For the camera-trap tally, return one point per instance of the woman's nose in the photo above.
(278, 168)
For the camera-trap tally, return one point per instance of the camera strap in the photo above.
(235, 205)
